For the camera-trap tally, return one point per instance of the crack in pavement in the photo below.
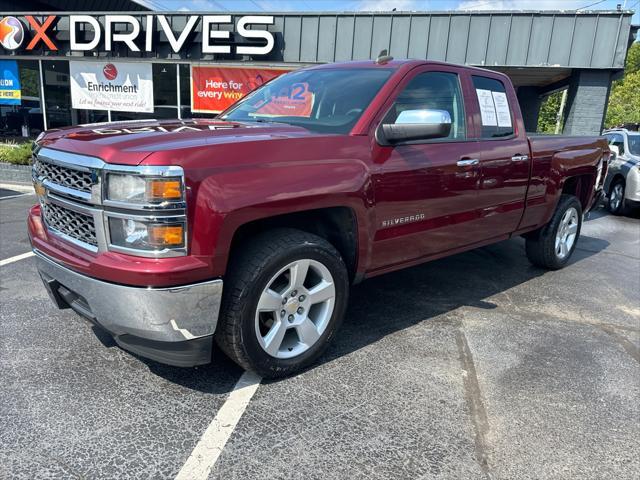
(473, 398)
(630, 348)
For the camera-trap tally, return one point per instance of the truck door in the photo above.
(425, 191)
(504, 161)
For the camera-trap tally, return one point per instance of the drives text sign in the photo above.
(10, 93)
(213, 89)
(217, 34)
(119, 86)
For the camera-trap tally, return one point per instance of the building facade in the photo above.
(183, 64)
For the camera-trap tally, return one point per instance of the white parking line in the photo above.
(206, 453)
(7, 261)
(18, 187)
(16, 196)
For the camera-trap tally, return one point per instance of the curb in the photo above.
(20, 174)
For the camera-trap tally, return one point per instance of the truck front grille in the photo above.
(71, 223)
(67, 177)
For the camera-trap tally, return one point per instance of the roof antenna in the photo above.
(383, 57)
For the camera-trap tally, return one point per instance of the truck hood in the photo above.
(129, 143)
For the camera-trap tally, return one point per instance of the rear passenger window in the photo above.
(433, 91)
(495, 111)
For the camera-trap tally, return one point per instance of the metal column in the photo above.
(178, 88)
(42, 104)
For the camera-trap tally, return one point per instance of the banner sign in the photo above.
(10, 93)
(119, 86)
(214, 89)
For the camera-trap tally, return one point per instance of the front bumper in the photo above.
(173, 325)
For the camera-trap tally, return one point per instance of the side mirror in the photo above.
(615, 150)
(417, 125)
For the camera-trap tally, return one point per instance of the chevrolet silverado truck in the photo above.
(247, 230)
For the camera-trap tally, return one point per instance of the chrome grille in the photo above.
(67, 177)
(71, 223)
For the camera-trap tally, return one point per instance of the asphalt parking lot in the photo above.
(474, 366)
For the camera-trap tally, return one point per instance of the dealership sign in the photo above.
(120, 86)
(213, 89)
(9, 83)
(137, 33)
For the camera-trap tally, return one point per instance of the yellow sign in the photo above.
(12, 94)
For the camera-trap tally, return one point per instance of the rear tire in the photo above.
(615, 204)
(551, 246)
(269, 322)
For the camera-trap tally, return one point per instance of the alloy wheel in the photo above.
(295, 308)
(616, 197)
(566, 233)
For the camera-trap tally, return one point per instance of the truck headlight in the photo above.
(148, 235)
(139, 189)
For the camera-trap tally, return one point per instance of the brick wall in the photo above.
(587, 102)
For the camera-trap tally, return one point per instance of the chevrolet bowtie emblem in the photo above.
(39, 188)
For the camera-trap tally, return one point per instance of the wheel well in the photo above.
(337, 225)
(579, 186)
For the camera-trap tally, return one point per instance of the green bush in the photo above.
(16, 153)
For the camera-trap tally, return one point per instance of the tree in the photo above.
(633, 59)
(624, 102)
(548, 115)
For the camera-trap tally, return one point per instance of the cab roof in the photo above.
(400, 64)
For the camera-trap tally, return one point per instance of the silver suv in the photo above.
(622, 185)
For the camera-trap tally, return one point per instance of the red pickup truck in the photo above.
(248, 229)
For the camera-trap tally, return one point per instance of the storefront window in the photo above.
(164, 84)
(57, 93)
(89, 116)
(185, 90)
(165, 95)
(26, 118)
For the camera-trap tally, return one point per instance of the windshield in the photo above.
(634, 144)
(326, 100)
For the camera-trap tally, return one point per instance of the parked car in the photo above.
(247, 230)
(622, 184)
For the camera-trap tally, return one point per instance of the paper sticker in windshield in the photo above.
(296, 101)
(487, 107)
(502, 109)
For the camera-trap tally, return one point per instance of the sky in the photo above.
(381, 5)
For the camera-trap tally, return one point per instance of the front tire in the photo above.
(284, 298)
(616, 197)
(551, 247)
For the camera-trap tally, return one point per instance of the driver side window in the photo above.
(433, 91)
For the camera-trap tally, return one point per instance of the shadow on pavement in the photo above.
(395, 301)
(601, 211)
(597, 213)
(6, 192)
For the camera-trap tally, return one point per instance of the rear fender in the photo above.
(569, 164)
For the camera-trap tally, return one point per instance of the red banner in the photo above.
(213, 89)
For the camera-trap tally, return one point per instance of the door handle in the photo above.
(520, 158)
(468, 162)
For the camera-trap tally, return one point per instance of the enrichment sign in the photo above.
(119, 86)
(214, 89)
(9, 83)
